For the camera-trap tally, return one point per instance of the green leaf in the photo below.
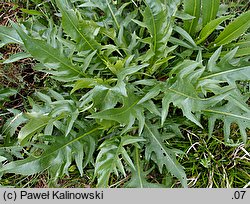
(77, 150)
(229, 114)
(244, 42)
(109, 97)
(139, 177)
(241, 73)
(152, 93)
(71, 120)
(52, 58)
(183, 16)
(125, 71)
(184, 99)
(235, 110)
(209, 10)
(241, 52)
(31, 12)
(16, 57)
(43, 97)
(87, 61)
(13, 123)
(233, 30)
(184, 95)
(163, 156)
(157, 21)
(82, 31)
(11, 151)
(125, 115)
(9, 35)
(6, 92)
(192, 7)
(33, 126)
(185, 35)
(179, 42)
(2, 159)
(109, 158)
(210, 27)
(85, 83)
(211, 65)
(56, 158)
(134, 69)
(112, 14)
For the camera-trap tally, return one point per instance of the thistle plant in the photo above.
(131, 75)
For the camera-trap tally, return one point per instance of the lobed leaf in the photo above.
(157, 20)
(80, 30)
(125, 115)
(163, 156)
(55, 62)
(139, 177)
(56, 157)
(109, 158)
(229, 114)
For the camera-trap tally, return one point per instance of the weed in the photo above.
(141, 96)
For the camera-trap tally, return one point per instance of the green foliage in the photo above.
(234, 29)
(56, 157)
(210, 27)
(139, 177)
(8, 35)
(108, 160)
(192, 7)
(6, 92)
(162, 155)
(128, 73)
(209, 10)
(51, 57)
